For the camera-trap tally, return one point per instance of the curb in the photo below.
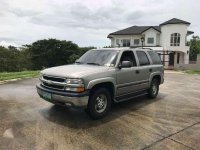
(12, 80)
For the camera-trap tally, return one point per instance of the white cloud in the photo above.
(6, 44)
(87, 23)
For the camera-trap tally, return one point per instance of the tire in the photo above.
(154, 89)
(99, 103)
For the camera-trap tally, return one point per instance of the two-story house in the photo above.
(169, 39)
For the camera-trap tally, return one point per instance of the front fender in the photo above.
(94, 82)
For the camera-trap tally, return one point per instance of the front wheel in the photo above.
(99, 103)
(154, 88)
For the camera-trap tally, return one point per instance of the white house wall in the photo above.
(161, 39)
(158, 39)
(112, 42)
(169, 29)
(151, 33)
(121, 37)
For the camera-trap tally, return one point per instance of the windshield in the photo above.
(99, 57)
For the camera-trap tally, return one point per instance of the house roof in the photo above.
(134, 30)
(175, 21)
(137, 30)
(189, 32)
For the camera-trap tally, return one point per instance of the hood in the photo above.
(74, 71)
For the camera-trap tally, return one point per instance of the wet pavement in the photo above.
(171, 121)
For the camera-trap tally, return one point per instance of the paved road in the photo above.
(172, 121)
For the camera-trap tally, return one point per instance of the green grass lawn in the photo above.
(192, 71)
(17, 75)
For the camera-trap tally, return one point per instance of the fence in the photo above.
(193, 65)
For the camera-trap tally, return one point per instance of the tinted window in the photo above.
(126, 42)
(136, 41)
(150, 40)
(154, 57)
(175, 39)
(143, 59)
(128, 56)
(117, 41)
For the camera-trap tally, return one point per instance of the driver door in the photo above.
(127, 77)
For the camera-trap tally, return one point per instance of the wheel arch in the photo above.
(103, 83)
(156, 76)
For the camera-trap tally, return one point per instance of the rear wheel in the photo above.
(99, 103)
(154, 88)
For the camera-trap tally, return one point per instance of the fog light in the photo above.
(75, 89)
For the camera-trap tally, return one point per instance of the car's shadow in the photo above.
(77, 118)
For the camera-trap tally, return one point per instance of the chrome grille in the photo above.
(51, 78)
(52, 82)
(53, 86)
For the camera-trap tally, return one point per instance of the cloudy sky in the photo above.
(87, 22)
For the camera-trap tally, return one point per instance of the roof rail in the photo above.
(142, 48)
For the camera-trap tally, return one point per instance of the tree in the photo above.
(194, 47)
(9, 60)
(82, 50)
(51, 52)
(40, 54)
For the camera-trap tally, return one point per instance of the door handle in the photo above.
(150, 70)
(137, 71)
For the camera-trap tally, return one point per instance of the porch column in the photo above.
(175, 58)
(186, 58)
(198, 59)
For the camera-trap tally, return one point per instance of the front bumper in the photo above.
(64, 98)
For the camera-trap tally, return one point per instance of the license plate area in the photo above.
(46, 95)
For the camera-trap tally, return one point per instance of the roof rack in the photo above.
(142, 48)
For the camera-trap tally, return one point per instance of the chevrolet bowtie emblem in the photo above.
(49, 82)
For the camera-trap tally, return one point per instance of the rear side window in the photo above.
(143, 59)
(155, 57)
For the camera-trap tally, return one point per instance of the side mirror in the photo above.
(125, 64)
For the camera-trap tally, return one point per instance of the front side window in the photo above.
(126, 42)
(99, 57)
(128, 56)
(150, 40)
(143, 59)
(175, 39)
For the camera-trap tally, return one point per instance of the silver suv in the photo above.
(101, 77)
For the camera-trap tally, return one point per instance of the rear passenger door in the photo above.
(144, 69)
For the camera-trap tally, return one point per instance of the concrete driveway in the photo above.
(171, 121)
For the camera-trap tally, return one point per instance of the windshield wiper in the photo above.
(93, 64)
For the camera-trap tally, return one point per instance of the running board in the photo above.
(130, 96)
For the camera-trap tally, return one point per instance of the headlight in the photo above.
(75, 85)
(40, 76)
(74, 81)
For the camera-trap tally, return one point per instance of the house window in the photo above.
(117, 41)
(126, 42)
(150, 40)
(175, 39)
(136, 41)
